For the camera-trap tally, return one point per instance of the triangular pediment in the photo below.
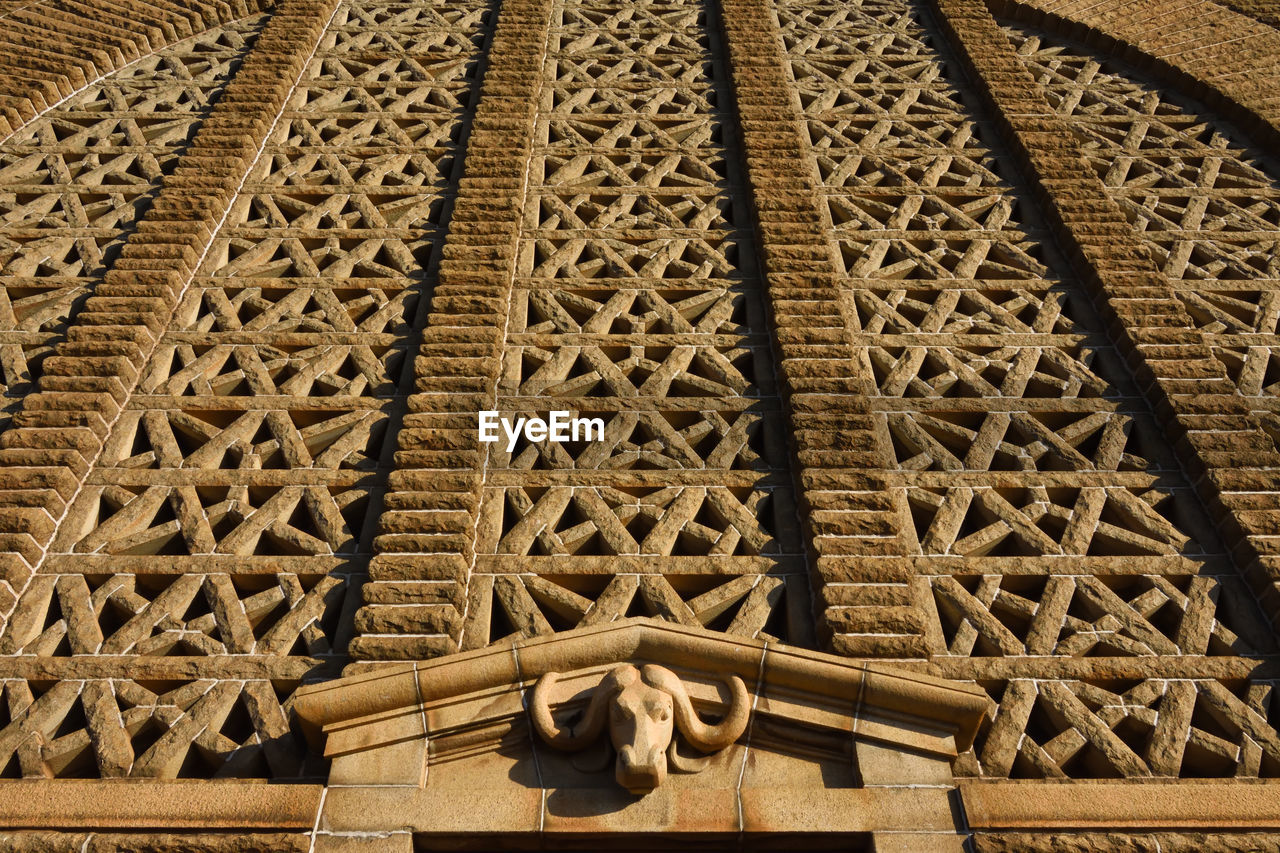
(803, 705)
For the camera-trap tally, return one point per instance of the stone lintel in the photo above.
(141, 804)
(1004, 805)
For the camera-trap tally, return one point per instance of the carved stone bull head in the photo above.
(641, 706)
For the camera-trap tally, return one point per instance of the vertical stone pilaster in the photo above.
(415, 597)
(60, 429)
(1220, 443)
(861, 581)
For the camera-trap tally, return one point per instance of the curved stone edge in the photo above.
(58, 433)
(50, 50)
(1224, 58)
(1232, 462)
(1267, 11)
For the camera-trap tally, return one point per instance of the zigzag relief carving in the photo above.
(359, 255)
(724, 439)
(635, 302)
(284, 307)
(378, 131)
(111, 170)
(661, 37)
(629, 71)
(1027, 469)
(1074, 729)
(767, 607)
(840, 167)
(915, 256)
(934, 212)
(391, 171)
(1087, 616)
(251, 520)
(1206, 203)
(255, 440)
(906, 137)
(1026, 441)
(593, 209)
(74, 181)
(670, 170)
(108, 209)
(1048, 521)
(971, 371)
(397, 29)
(686, 256)
(569, 133)
(165, 615)
(313, 211)
(644, 100)
(373, 82)
(664, 521)
(635, 370)
(706, 309)
(1022, 311)
(231, 513)
(294, 370)
(180, 727)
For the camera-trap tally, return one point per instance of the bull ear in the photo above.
(703, 737)
(592, 722)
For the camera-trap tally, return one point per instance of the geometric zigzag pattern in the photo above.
(1206, 205)
(632, 303)
(1026, 472)
(221, 535)
(212, 560)
(74, 181)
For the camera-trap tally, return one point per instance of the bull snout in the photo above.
(641, 770)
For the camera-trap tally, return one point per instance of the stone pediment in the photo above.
(786, 725)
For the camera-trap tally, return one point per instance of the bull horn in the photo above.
(703, 737)
(592, 722)
(682, 764)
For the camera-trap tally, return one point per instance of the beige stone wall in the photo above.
(942, 333)
(116, 842)
(1264, 10)
(1154, 842)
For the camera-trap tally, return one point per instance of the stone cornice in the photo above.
(872, 689)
